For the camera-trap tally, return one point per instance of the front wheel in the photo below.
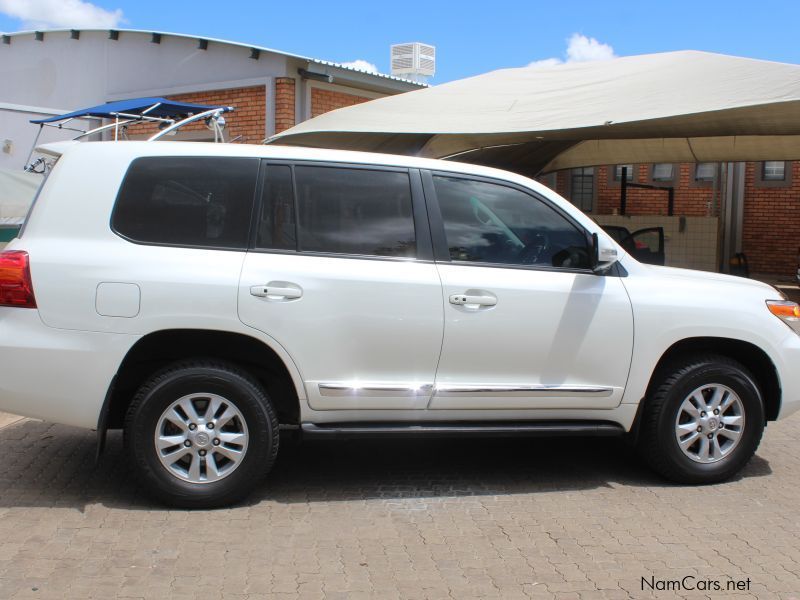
(703, 422)
(201, 434)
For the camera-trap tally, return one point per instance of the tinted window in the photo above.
(354, 211)
(276, 224)
(490, 223)
(582, 188)
(200, 201)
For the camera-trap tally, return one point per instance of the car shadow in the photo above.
(53, 465)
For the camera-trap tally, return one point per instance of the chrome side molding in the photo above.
(523, 390)
(374, 389)
(413, 390)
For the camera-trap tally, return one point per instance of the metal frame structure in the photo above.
(214, 119)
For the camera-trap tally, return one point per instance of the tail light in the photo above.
(16, 288)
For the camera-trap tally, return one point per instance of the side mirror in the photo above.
(604, 254)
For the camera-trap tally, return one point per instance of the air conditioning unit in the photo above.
(415, 61)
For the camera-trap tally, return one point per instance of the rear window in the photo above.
(200, 201)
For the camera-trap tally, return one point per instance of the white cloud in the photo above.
(583, 49)
(580, 48)
(43, 14)
(361, 65)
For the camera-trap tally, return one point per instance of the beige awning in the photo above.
(673, 107)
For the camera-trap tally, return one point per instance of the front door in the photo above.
(646, 245)
(336, 279)
(527, 324)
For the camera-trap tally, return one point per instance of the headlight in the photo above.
(786, 311)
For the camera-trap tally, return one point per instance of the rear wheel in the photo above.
(703, 421)
(201, 434)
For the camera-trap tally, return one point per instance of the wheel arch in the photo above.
(156, 350)
(749, 355)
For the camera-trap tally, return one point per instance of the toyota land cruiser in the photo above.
(202, 297)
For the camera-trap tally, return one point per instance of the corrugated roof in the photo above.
(309, 59)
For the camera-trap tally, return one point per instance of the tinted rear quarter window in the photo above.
(187, 201)
(354, 211)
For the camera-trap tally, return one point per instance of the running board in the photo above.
(460, 429)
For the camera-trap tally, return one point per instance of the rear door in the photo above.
(341, 276)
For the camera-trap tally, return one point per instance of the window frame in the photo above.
(253, 201)
(611, 174)
(663, 181)
(570, 189)
(760, 182)
(707, 183)
(630, 175)
(441, 249)
(422, 232)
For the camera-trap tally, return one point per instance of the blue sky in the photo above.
(470, 37)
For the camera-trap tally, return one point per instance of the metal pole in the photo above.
(623, 191)
(671, 201)
(193, 118)
(35, 140)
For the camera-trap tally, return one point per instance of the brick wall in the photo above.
(771, 233)
(284, 103)
(689, 200)
(323, 101)
(771, 228)
(248, 120)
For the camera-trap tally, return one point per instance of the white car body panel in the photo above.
(57, 361)
(371, 327)
(549, 328)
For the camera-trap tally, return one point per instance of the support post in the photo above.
(623, 191)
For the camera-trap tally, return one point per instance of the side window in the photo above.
(354, 211)
(198, 201)
(491, 223)
(276, 224)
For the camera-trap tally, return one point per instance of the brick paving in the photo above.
(433, 519)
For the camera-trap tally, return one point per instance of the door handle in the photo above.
(277, 291)
(473, 299)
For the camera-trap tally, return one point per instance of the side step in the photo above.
(460, 429)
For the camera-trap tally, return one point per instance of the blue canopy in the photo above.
(167, 109)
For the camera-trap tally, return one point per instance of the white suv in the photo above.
(203, 297)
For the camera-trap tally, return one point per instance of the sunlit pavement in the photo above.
(435, 519)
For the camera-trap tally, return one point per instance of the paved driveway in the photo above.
(443, 519)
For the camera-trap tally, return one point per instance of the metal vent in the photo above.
(413, 60)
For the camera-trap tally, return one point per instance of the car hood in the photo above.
(706, 278)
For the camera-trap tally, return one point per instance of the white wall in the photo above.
(15, 126)
(63, 74)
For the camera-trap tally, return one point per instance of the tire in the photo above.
(673, 415)
(212, 457)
